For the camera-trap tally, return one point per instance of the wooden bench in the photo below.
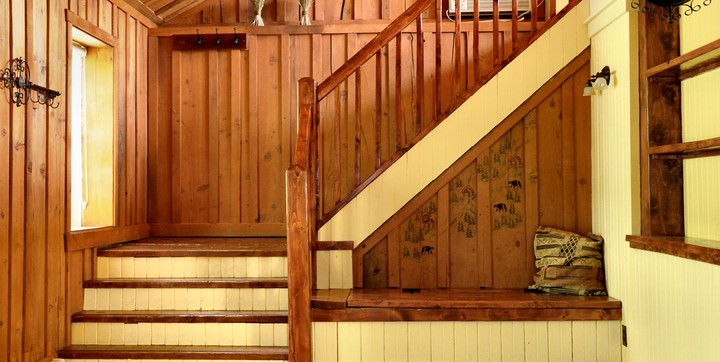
(459, 305)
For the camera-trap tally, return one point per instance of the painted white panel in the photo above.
(396, 341)
(467, 341)
(349, 341)
(322, 259)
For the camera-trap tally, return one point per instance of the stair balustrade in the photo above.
(348, 135)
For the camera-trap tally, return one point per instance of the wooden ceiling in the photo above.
(162, 11)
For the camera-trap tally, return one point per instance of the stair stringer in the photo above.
(462, 129)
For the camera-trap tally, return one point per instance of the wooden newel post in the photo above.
(301, 226)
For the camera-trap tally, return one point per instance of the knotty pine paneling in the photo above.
(222, 123)
(42, 283)
(474, 225)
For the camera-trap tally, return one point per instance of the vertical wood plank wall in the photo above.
(474, 226)
(41, 283)
(223, 122)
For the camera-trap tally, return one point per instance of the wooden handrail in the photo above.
(374, 46)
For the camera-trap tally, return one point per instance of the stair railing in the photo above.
(418, 101)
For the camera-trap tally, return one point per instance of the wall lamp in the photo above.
(599, 81)
(16, 78)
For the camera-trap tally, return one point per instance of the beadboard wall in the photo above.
(467, 341)
(669, 304)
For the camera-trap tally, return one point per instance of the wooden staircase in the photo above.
(185, 298)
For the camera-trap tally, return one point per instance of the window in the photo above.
(92, 133)
(680, 139)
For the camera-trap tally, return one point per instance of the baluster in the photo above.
(476, 41)
(514, 24)
(456, 84)
(496, 33)
(358, 128)
(420, 76)
(378, 107)
(399, 109)
(533, 16)
(438, 59)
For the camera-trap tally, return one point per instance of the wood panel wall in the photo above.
(222, 123)
(474, 225)
(41, 283)
(281, 11)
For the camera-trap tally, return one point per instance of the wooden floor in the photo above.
(459, 304)
(158, 247)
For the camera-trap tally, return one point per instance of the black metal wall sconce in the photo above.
(16, 78)
(599, 81)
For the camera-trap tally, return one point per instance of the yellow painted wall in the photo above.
(669, 304)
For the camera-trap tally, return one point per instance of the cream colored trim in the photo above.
(606, 16)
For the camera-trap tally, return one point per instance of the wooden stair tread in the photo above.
(184, 247)
(463, 305)
(473, 298)
(188, 283)
(330, 298)
(162, 316)
(173, 352)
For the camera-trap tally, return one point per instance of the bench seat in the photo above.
(459, 305)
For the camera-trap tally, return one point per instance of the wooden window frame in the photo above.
(662, 150)
(108, 40)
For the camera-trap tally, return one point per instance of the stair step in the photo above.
(191, 267)
(186, 299)
(180, 334)
(221, 247)
(173, 352)
(198, 316)
(188, 283)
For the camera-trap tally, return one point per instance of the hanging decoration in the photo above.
(304, 11)
(258, 6)
(672, 10)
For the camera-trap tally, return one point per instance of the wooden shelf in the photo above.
(702, 148)
(689, 248)
(690, 64)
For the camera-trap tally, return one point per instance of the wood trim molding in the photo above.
(217, 230)
(86, 239)
(139, 11)
(327, 27)
(707, 251)
(465, 315)
(90, 28)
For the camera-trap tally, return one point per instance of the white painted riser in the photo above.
(191, 267)
(205, 299)
(181, 334)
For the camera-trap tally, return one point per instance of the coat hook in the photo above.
(199, 40)
(217, 37)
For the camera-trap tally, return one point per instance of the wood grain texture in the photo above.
(474, 226)
(255, 106)
(44, 279)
